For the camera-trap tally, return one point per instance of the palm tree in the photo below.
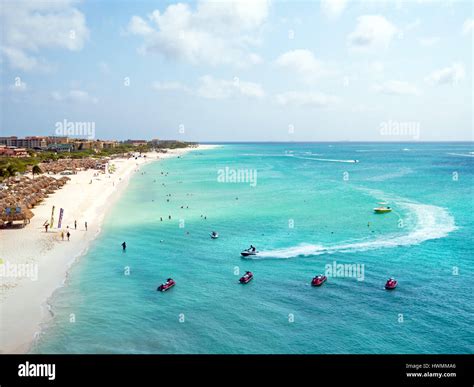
(11, 170)
(36, 170)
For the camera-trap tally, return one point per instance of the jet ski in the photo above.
(214, 235)
(249, 251)
(391, 284)
(318, 280)
(167, 285)
(246, 278)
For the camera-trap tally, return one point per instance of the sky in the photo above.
(256, 70)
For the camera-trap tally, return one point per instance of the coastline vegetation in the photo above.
(10, 166)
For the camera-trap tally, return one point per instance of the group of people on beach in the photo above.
(47, 225)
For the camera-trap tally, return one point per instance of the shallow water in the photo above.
(311, 205)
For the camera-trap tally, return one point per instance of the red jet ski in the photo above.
(167, 285)
(319, 280)
(246, 278)
(391, 284)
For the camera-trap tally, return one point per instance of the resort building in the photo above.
(136, 142)
(58, 147)
(11, 151)
(32, 142)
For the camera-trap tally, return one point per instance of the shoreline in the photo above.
(86, 198)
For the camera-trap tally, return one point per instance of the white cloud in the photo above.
(138, 26)
(302, 62)
(170, 86)
(397, 88)
(213, 33)
(104, 68)
(413, 25)
(468, 26)
(18, 85)
(371, 32)
(333, 8)
(213, 88)
(428, 41)
(450, 74)
(18, 59)
(28, 27)
(303, 98)
(376, 67)
(75, 96)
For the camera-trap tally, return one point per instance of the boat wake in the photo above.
(431, 222)
(297, 156)
(317, 159)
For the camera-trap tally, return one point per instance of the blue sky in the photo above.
(240, 71)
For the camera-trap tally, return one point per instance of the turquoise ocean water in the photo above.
(311, 206)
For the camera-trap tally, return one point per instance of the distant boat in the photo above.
(248, 276)
(250, 251)
(382, 210)
(391, 284)
(214, 235)
(318, 280)
(167, 285)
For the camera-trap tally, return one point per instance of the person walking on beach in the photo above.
(75, 225)
(46, 225)
(124, 246)
(68, 235)
(62, 235)
(85, 224)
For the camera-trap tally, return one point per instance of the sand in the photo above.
(42, 260)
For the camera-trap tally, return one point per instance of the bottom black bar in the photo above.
(59, 370)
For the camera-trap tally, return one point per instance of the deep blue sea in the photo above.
(306, 207)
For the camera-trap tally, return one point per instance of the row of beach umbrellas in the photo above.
(21, 194)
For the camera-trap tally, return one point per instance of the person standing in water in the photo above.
(124, 246)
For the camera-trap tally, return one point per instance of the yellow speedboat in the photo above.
(382, 210)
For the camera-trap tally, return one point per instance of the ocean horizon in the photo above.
(308, 209)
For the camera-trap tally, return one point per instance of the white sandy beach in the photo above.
(23, 300)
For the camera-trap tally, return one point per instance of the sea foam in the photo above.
(432, 222)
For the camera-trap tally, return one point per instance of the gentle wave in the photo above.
(330, 160)
(402, 172)
(470, 154)
(433, 222)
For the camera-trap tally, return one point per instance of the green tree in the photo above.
(36, 170)
(11, 170)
